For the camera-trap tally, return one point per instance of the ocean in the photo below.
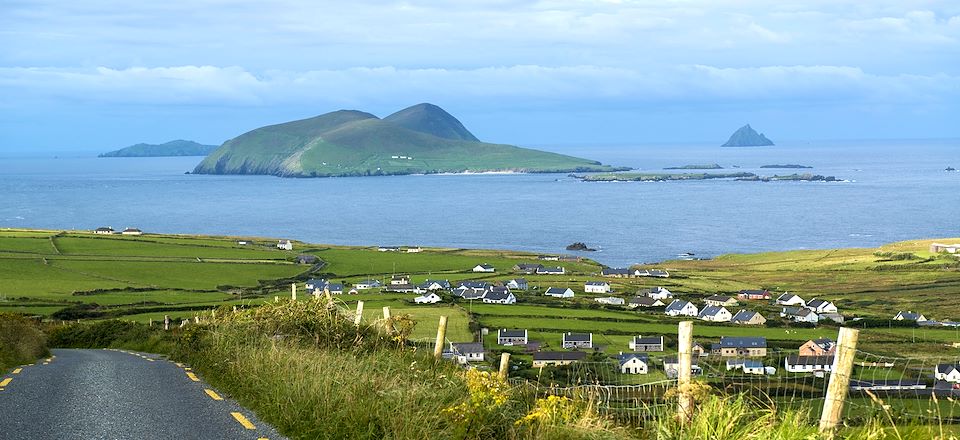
(892, 190)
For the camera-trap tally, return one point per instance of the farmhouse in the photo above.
(808, 364)
(741, 346)
(748, 317)
(650, 343)
(909, 316)
(499, 297)
(947, 372)
(671, 367)
(428, 298)
(644, 301)
(517, 284)
(556, 358)
(616, 273)
(754, 294)
(799, 314)
(660, 293)
(680, 307)
(559, 292)
(527, 268)
(307, 259)
(715, 314)
(433, 285)
(465, 352)
(486, 268)
(720, 300)
(821, 306)
(936, 248)
(789, 299)
(103, 230)
(399, 279)
(286, 245)
(818, 347)
(633, 363)
(596, 287)
(610, 300)
(547, 270)
(512, 337)
(135, 231)
(577, 340)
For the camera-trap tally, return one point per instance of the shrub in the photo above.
(21, 341)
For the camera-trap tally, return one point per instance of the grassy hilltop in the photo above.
(420, 139)
(172, 148)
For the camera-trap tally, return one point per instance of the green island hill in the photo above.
(422, 139)
(746, 136)
(712, 166)
(173, 148)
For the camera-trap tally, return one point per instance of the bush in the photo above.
(112, 333)
(21, 341)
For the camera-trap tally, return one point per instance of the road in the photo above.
(112, 394)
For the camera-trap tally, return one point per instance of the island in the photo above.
(712, 166)
(950, 169)
(743, 177)
(422, 139)
(580, 246)
(791, 177)
(169, 149)
(785, 166)
(746, 136)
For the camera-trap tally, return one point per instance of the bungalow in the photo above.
(433, 285)
(465, 352)
(715, 314)
(512, 337)
(548, 257)
(720, 300)
(307, 259)
(315, 283)
(741, 346)
(388, 249)
(818, 347)
(657, 273)
(596, 287)
(671, 366)
(680, 307)
(821, 306)
(748, 317)
(242, 242)
(286, 245)
(470, 294)
(644, 301)
(754, 294)
(499, 297)
(633, 363)
(103, 230)
(333, 288)
(135, 231)
(887, 385)
(808, 364)
(735, 364)
(947, 372)
(403, 288)
(558, 292)
(660, 293)
(414, 250)
(517, 284)
(547, 270)
(527, 268)
(752, 366)
(481, 285)
(577, 340)
(399, 279)
(936, 248)
(610, 301)
(799, 314)
(616, 273)
(650, 343)
(556, 358)
(698, 349)
(909, 316)
(789, 299)
(428, 298)
(486, 268)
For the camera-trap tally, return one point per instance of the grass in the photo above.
(21, 341)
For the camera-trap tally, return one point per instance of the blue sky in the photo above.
(98, 74)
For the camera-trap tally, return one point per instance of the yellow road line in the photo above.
(17, 371)
(243, 420)
(5, 382)
(213, 394)
(193, 377)
(188, 369)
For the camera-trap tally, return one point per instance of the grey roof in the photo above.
(720, 298)
(786, 297)
(474, 284)
(911, 316)
(673, 360)
(649, 340)
(555, 290)
(518, 280)
(467, 347)
(825, 343)
(742, 342)
(471, 293)
(334, 287)
(810, 360)
(623, 358)
(644, 301)
(754, 292)
(947, 368)
(615, 271)
(817, 302)
(677, 304)
(744, 315)
(316, 281)
(559, 355)
(497, 295)
(443, 283)
(710, 311)
(752, 363)
(548, 269)
(597, 283)
(512, 333)
(485, 266)
(369, 282)
(797, 311)
(577, 337)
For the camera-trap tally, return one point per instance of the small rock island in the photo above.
(746, 136)
(580, 246)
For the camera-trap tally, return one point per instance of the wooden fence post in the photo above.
(386, 320)
(504, 365)
(166, 322)
(293, 291)
(684, 371)
(441, 338)
(839, 384)
(359, 315)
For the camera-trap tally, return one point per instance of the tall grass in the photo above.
(21, 341)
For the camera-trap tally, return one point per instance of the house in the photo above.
(558, 292)
(286, 245)
(484, 268)
(465, 352)
(818, 347)
(748, 317)
(512, 337)
(680, 307)
(644, 301)
(610, 301)
(650, 343)
(366, 284)
(754, 294)
(478, 285)
(656, 273)
(789, 299)
(936, 248)
(800, 314)
(103, 230)
(671, 366)
(616, 273)
(735, 364)
(557, 358)
(433, 285)
(715, 314)
(517, 284)
(315, 284)
(808, 364)
(909, 316)
(399, 279)
(821, 306)
(527, 268)
(427, 298)
(633, 363)
(835, 317)
(751, 366)
(548, 257)
(547, 270)
(333, 288)
(596, 287)
(470, 293)
(414, 250)
(720, 300)
(403, 288)
(307, 259)
(698, 349)
(887, 385)
(499, 297)
(577, 340)
(242, 242)
(947, 372)
(388, 249)
(741, 346)
(660, 293)
(135, 231)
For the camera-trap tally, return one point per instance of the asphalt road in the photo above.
(107, 394)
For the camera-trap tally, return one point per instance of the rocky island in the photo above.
(580, 246)
(746, 136)
(744, 177)
(422, 139)
(173, 148)
(785, 166)
(712, 166)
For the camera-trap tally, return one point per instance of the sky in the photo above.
(101, 74)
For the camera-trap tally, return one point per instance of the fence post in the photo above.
(386, 320)
(684, 371)
(839, 384)
(441, 338)
(359, 315)
(293, 291)
(166, 322)
(504, 365)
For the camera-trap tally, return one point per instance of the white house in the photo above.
(680, 307)
(517, 284)
(577, 340)
(366, 284)
(909, 316)
(484, 268)
(398, 280)
(546, 270)
(633, 363)
(433, 285)
(800, 314)
(715, 314)
(558, 292)
(103, 230)
(720, 300)
(789, 299)
(661, 293)
(808, 364)
(947, 372)
(414, 250)
(465, 352)
(610, 300)
(135, 231)
(512, 337)
(596, 287)
(499, 297)
(286, 245)
(388, 249)
(429, 298)
(821, 306)
(644, 301)
(650, 343)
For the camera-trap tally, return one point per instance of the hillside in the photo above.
(746, 136)
(173, 148)
(422, 139)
